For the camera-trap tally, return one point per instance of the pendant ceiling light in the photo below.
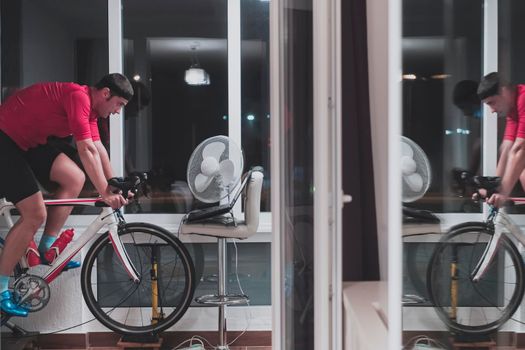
(196, 75)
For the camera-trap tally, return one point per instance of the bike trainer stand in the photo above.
(151, 341)
(464, 341)
(20, 339)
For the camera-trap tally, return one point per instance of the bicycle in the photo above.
(136, 278)
(475, 278)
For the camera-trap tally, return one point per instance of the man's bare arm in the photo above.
(104, 159)
(92, 163)
(514, 167)
(504, 150)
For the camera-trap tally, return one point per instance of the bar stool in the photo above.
(224, 227)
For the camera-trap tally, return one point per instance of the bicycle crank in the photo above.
(31, 292)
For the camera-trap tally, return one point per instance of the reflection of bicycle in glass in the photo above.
(475, 278)
(136, 278)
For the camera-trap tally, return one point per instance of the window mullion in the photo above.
(234, 75)
(490, 64)
(116, 125)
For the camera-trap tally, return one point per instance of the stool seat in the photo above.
(223, 226)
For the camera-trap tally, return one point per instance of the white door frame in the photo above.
(327, 175)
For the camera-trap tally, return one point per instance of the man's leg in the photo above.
(70, 180)
(32, 216)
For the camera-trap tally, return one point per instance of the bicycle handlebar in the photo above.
(488, 183)
(131, 183)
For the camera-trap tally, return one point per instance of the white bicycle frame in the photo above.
(108, 217)
(503, 225)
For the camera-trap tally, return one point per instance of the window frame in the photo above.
(115, 55)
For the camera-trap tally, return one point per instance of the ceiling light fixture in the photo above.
(195, 75)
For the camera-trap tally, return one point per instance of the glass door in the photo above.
(306, 175)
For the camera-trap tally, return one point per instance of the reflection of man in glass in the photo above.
(465, 97)
(507, 100)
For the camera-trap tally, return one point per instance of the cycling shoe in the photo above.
(8, 306)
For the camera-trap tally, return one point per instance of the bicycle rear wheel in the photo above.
(474, 307)
(158, 300)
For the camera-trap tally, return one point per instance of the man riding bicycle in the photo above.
(27, 119)
(507, 100)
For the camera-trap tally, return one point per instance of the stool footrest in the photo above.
(230, 299)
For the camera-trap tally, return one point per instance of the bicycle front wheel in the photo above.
(474, 307)
(158, 300)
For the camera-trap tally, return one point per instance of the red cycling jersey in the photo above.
(33, 114)
(515, 124)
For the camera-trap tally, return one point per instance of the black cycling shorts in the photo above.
(22, 170)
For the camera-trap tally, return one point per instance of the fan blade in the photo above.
(408, 165)
(202, 182)
(415, 182)
(209, 166)
(406, 150)
(227, 171)
(214, 150)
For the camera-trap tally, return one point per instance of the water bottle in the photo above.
(59, 245)
(32, 254)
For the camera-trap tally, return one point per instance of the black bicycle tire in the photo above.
(92, 304)
(515, 300)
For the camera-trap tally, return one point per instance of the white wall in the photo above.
(377, 27)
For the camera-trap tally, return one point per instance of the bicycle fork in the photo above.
(490, 252)
(118, 246)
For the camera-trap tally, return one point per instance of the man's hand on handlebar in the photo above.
(114, 200)
(480, 194)
(118, 186)
(495, 199)
(498, 200)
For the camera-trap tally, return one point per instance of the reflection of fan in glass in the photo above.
(214, 169)
(415, 168)
(416, 177)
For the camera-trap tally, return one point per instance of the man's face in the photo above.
(111, 104)
(501, 104)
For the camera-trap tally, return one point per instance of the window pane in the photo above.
(255, 88)
(511, 53)
(442, 46)
(248, 268)
(50, 40)
(297, 195)
(250, 264)
(169, 118)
